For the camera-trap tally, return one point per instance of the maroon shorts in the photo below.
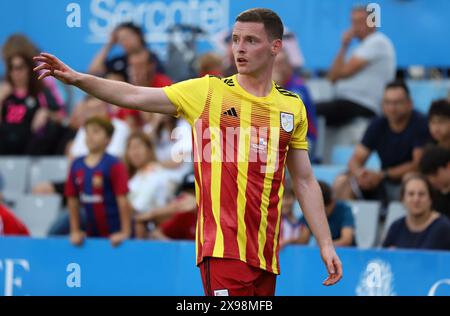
(231, 277)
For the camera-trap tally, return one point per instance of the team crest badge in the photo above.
(97, 181)
(287, 122)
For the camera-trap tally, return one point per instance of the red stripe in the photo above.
(199, 205)
(273, 206)
(255, 184)
(99, 208)
(229, 185)
(209, 224)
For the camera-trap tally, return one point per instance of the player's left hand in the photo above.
(333, 264)
(117, 238)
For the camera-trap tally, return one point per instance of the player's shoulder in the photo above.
(284, 93)
(78, 162)
(289, 99)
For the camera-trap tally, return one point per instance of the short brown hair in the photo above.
(104, 123)
(416, 176)
(272, 22)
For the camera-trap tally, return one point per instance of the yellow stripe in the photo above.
(243, 153)
(216, 168)
(277, 228)
(272, 153)
(197, 195)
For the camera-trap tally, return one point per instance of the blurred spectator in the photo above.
(340, 219)
(10, 224)
(290, 224)
(93, 107)
(210, 64)
(435, 165)
(131, 39)
(229, 64)
(398, 137)
(422, 227)
(98, 183)
(149, 189)
(19, 44)
(30, 120)
(283, 75)
(172, 139)
(360, 80)
(439, 122)
(176, 220)
(143, 71)
(133, 118)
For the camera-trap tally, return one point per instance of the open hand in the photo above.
(54, 67)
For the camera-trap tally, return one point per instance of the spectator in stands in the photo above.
(290, 224)
(359, 80)
(98, 183)
(176, 220)
(398, 137)
(131, 39)
(439, 122)
(422, 227)
(30, 117)
(149, 189)
(143, 71)
(19, 44)
(435, 165)
(229, 63)
(92, 107)
(340, 218)
(9, 224)
(283, 75)
(210, 64)
(173, 144)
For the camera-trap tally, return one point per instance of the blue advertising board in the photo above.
(55, 267)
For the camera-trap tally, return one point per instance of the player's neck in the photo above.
(259, 86)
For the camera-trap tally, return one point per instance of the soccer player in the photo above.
(245, 129)
(98, 182)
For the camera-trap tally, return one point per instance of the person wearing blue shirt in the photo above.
(398, 137)
(422, 227)
(340, 219)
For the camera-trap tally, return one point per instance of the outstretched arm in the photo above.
(114, 92)
(309, 195)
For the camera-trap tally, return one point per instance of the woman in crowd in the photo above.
(422, 227)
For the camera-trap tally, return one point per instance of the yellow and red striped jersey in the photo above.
(240, 146)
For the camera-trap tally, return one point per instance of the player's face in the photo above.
(253, 51)
(440, 128)
(137, 153)
(416, 198)
(96, 138)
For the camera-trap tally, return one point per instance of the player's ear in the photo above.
(277, 46)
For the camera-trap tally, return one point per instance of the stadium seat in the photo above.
(52, 169)
(395, 211)
(423, 92)
(38, 213)
(327, 173)
(366, 215)
(10, 198)
(14, 171)
(341, 155)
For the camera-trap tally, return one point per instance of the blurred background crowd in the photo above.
(383, 161)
